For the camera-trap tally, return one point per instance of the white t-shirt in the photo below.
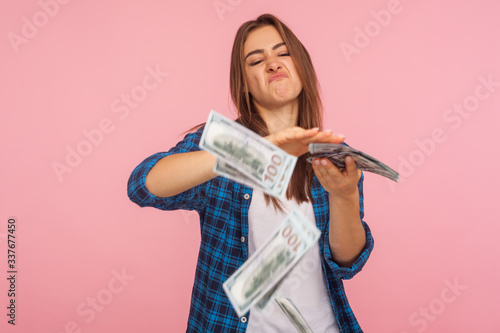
(305, 284)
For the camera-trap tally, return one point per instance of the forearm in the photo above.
(347, 235)
(177, 173)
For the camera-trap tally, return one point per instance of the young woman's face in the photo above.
(272, 78)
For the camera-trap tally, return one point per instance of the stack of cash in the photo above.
(337, 153)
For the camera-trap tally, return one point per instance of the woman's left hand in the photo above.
(342, 183)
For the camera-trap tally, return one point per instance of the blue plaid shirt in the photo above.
(223, 208)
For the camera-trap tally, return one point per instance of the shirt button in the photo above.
(242, 239)
(246, 196)
(243, 319)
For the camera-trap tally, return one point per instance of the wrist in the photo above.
(344, 198)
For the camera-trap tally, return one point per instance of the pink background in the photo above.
(435, 265)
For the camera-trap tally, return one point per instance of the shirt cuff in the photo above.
(137, 190)
(347, 273)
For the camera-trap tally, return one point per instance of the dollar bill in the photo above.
(227, 170)
(266, 299)
(293, 314)
(267, 266)
(337, 153)
(250, 154)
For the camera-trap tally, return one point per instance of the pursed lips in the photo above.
(277, 76)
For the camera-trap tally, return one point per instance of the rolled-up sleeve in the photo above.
(347, 273)
(192, 199)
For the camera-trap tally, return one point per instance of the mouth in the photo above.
(278, 76)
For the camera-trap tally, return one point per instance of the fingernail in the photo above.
(329, 130)
(316, 161)
(324, 162)
(341, 136)
(315, 129)
(348, 159)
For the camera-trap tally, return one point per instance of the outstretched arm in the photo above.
(177, 173)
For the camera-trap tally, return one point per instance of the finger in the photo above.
(338, 138)
(328, 171)
(325, 178)
(350, 166)
(331, 170)
(319, 172)
(327, 137)
(312, 133)
(306, 133)
(297, 133)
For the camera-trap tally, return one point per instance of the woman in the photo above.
(275, 89)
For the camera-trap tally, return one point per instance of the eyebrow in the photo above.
(262, 50)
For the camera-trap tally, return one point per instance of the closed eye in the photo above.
(287, 54)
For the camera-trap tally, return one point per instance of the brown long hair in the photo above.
(310, 107)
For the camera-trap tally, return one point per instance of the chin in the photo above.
(285, 94)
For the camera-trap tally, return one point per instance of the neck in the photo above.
(280, 117)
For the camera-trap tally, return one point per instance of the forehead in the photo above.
(262, 38)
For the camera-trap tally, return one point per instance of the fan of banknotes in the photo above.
(337, 153)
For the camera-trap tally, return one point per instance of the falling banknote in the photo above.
(227, 170)
(294, 314)
(250, 155)
(337, 153)
(267, 266)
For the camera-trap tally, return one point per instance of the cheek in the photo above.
(254, 84)
(293, 71)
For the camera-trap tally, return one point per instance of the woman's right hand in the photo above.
(295, 141)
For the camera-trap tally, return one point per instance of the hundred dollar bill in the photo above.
(227, 170)
(267, 266)
(253, 156)
(337, 153)
(270, 295)
(294, 314)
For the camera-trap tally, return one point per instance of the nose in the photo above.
(274, 65)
